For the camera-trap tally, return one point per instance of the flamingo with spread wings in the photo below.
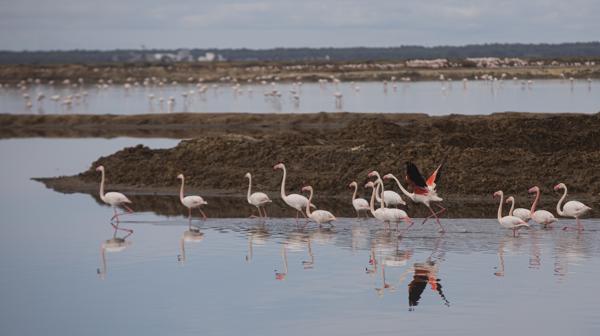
(424, 190)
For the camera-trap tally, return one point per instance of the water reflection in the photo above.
(113, 245)
(192, 235)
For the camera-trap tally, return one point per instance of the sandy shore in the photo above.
(508, 151)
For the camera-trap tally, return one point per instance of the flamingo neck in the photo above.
(249, 187)
(404, 191)
(355, 190)
(500, 206)
(535, 202)
(283, 183)
(181, 190)
(382, 203)
(372, 203)
(102, 185)
(559, 204)
(308, 204)
(512, 207)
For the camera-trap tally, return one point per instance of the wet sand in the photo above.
(508, 151)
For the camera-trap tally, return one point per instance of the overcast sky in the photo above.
(108, 24)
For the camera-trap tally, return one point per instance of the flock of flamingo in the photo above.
(424, 192)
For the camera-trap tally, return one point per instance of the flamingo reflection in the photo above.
(283, 274)
(114, 244)
(425, 273)
(258, 236)
(192, 235)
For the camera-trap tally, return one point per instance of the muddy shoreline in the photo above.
(226, 72)
(508, 151)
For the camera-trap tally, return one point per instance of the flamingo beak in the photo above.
(531, 190)
(556, 187)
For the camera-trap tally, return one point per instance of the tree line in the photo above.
(520, 50)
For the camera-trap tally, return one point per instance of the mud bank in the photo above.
(508, 151)
(279, 71)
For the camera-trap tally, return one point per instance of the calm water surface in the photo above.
(432, 97)
(60, 276)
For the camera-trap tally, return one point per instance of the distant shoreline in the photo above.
(230, 73)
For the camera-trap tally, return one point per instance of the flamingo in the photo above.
(379, 212)
(573, 209)
(114, 199)
(392, 214)
(360, 204)
(384, 214)
(319, 216)
(524, 214)
(190, 202)
(542, 217)
(509, 222)
(389, 197)
(258, 199)
(295, 201)
(424, 190)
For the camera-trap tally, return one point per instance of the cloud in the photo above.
(39, 24)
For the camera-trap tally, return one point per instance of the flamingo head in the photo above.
(278, 166)
(559, 186)
(353, 184)
(509, 199)
(498, 193)
(247, 175)
(369, 184)
(388, 176)
(100, 168)
(180, 176)
(373, 173)
(307, 188)
(534, 189)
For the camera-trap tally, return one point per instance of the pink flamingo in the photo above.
(359, 204)
(114, 199)
(190, 202)
(510, 222)
(542, 217)
(573, 209)
(423, 190)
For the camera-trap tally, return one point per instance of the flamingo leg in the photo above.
(435, 214)
(116, 227)
(203, 214)
(127, 208)
(437, 219)
(357, 214)
(265, 212)
(116, 215)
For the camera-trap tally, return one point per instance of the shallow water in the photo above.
(274, 277)
(432, 97)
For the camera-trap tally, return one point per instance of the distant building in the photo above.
(211, 57)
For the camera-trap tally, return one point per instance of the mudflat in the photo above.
(482, 154)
